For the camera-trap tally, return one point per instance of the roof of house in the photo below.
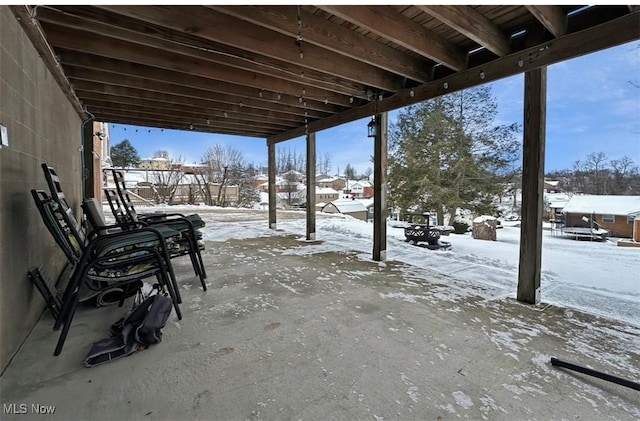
(603, 204)
(348, 206)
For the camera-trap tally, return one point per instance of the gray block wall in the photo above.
(42, 127)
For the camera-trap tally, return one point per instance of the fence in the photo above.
(184, 194)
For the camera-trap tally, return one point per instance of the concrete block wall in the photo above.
(42, 127)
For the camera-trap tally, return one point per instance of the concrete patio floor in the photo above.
(330, 336)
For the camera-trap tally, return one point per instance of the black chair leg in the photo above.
(67, 324)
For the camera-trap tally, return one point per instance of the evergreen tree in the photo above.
(124, 155)
(446, 154)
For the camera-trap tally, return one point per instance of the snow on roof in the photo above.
(348, 206)
(603, 204)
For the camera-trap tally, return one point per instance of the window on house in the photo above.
(630, 218)
(609, 218)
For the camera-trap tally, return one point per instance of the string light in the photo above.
(302, 98)
(520, 62)
(445, 85)
(411, 93)
(350, 100)
(191, 126)
(226, 115)
(482, 74)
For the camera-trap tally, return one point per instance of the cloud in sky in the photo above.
(591, 107)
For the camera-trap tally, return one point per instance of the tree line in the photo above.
(597, 174)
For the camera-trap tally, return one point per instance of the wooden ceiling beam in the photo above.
(149, 78)
(551, 17)
(92, 90)
(88, 43)
(169, 113)
(606, 35)
(283, 70)
(150, 117)
(473, 25)
(326, 34)
(119, 119)
(130, 86)
(173, 115)
(385, 22)
(209, 24)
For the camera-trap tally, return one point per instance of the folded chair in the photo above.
(187, 225)
(104, 261)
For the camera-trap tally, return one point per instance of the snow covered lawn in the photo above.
(599, 278)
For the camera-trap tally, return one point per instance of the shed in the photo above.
(350, 207)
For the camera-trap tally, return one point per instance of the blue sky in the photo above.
(591, 107)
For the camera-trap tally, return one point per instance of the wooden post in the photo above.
(380, 188)
(535, 104)
(272, 184)
(311, 186)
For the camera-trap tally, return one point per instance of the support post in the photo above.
(311, 186)
(380, 188)
(272, 184)
(535, 104)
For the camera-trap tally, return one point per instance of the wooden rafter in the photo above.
(283, 70)
(121, 50)
(551, 17)
(331, 36)
(403, 31)
(90, 90)
(214, 26)
(472, 24)
(153, 79)
(606, 35)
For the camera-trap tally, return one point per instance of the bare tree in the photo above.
(596, 164)
(324, 164)
(165, 181)
(216, 159)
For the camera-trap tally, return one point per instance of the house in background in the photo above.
(554, 203)
(350, 207)
(614, 213)
(335, 183)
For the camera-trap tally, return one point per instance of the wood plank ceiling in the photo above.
(279, 71)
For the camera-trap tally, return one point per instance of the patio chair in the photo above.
(105, 261)
(187, 225)
(97, 220)
(178, 245)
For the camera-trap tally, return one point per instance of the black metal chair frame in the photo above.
(112, 251)
(55, 187)
(185, 224)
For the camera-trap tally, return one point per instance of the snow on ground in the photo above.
(599, 278)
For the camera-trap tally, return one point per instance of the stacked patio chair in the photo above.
(105, 261)
(182, 245)
(188, 225)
